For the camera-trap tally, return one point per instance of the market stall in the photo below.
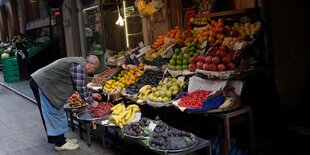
(165, 93)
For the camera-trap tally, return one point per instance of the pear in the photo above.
(154, 99)
(169, 78)
(158, 88)
(174, 80)
(164, 87)
(160, 83)
(174, 92)
(178, 82)
(154, 89)
(168, 93)
(159, 99)
(157, 94)
(169, 84)
(162, 94)
(166, 99)
(175, 88)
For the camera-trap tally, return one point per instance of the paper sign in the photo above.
(238, 46)
(181, 78)
(141, 44)
(204, 44)
(152, 126)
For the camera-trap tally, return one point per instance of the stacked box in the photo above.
(10, 69)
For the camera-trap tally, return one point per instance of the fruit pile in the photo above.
(100, 79)
(218, 59)
(123, 115)
(152, 54)
(101, 110)
(134, 129)
(180, 60)
(194, 99)
(198, 21)
(148, 78)
(244, 30)
(76, 101)
(173, 34)
(189, 14)
(124, 79)
(172, 140)
(205, 5)
(163, 92)
(146, 8)
(214, 32)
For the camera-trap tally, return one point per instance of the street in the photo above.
(22, 131)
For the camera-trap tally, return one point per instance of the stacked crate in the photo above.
(10, 69)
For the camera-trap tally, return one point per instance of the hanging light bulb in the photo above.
(120, 21)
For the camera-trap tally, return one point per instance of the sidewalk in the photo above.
(22, 131)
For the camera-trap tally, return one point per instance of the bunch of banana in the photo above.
(146, 8)
(123, 115)
(144, 91)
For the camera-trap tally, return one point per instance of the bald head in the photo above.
(91, 64)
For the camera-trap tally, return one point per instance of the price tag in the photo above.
(141, 45)
(181, 78)
(152, 126)
(238, 46)
(204, 44)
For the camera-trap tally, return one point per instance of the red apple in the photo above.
(220, 53)
(199, 64)
(231, 66)
(208, 59)
(192, 67)
(234, 33)
(216, 60)
(226, 60)
(194, 59)
(201, 58)
(221, 67)
(205, 66)
(212, 67)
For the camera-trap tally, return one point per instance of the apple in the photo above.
(208, 59)
(205, 66)
(194, 59)
(216, 60)
(234, 33)
(201, 58)
(220, 53)
(221, 67)
(231, 66)
(192, 67)
(226, 60)
(212, 67)
(199, 64)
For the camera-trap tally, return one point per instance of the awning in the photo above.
(2, 2)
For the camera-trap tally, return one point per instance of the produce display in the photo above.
(180, 60)
(204, 5)
(194, 99)
(76, 101)
(218, 59)
(124, 79)
(101, 110)
(135, 130)
(118, 55)
(146, 8)
(149, 77)
(152, 54)
(123, 115)
(163, 92)
(199, 21)
(100, 79)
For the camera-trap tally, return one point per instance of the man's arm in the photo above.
(78, 76)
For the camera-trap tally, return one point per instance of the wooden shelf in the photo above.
(230, 12)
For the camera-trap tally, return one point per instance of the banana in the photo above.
(128, 115)
(132, 106)
(123, 121)
(120, 125)
(123, 114)
(115, 107)
(140, 96)
(143, 89)
(131, 117)
(114, 119)
(121, 109)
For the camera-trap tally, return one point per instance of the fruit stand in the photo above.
(183, 79)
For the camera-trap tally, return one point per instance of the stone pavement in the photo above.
(22, 131)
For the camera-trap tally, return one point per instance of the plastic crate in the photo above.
(11, 76)
(9, 61)
(10, 68)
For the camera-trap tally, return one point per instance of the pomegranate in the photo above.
(199, 64)
(212, 51)
(216, 60)
(212, 67)
(205, 66)
(194, 59)
(220, 53)
(224, 48)
(226, 60)
(192, 67)
(201, 58)
(208, 59)
(221, 67)
(231, 66)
